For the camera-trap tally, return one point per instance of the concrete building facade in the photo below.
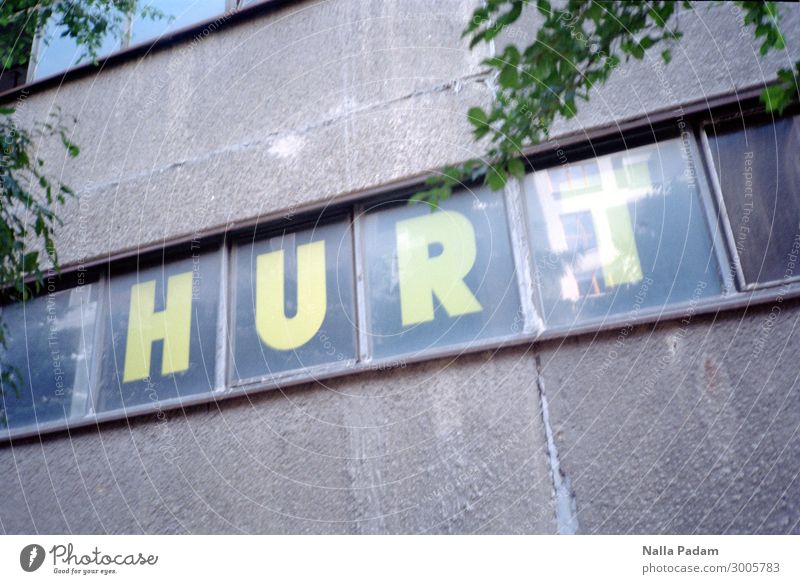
(682, 419)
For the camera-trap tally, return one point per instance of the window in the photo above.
(160, 332)
(49, 348)
(627, 237)
(758, 167)
(177, 14)
(295, 301)
(619, 233)
(438, 278)
(57, 53)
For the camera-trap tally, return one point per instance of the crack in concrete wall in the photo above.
(270, 139)
(566, 509)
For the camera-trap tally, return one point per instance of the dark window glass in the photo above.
(160, 336)
(439, 278)
(14, 76)
(294, 301)
(50, 340)
(758, 167)
(619, 233)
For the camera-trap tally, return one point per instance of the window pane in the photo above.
(177, 14)
(48, 351)
(161, 335)
(439, 278)
(619, 233)
(759, 174)
(294, 301)
(58, 53)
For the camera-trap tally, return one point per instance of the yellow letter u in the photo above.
(273, 327)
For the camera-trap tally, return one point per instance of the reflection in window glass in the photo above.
(50, 341)
(619, 233)
(161, 334)
(294, 301)
(759, 173)
(439, 278)
(177, 14)
(58, 53)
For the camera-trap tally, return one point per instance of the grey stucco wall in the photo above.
(696, 429)
(425, 448)
(318, 100)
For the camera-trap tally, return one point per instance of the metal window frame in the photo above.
(522, 249)
(714, 216)
(98, 341)
(223, 354)
(363, 344)
(534, 329)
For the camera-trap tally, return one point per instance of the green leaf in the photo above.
(495, 179)
(477, 117)
(667, 56)
(647, 42)
(511, 55)
(787, 76)
(30, 262)
(544, 7)
(476, 39)
(72, 148)
(509, 77)
(775, 98)
(516, 168)
(494, 62)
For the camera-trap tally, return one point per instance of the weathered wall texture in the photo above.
(449, 446)
(318, 100)
(694, 428)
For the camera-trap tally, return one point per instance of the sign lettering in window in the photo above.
(161, 332)
(609, 236)
(439, 278)
(294, 301)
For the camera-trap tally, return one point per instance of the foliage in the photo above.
(27, 200)
(29, 197)
(89, 22)
(576, 48)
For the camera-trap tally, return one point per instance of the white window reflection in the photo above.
(48, 350)
(602, 227)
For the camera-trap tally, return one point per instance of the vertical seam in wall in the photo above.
(565, 502)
